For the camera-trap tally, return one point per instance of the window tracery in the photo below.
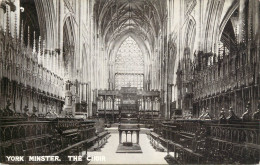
(129, 65)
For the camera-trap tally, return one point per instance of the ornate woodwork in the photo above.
(209, 141)
(41, 136)
(148, 104)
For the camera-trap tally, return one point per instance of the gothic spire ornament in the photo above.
(39, 52)
(28, 37)
(21, 34)
(7, 30)
(34, 43)
(15, 28)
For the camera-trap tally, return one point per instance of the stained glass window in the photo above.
(129, 65)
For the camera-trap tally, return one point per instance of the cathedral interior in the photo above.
(169, 81)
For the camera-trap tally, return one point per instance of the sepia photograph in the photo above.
(140, 82)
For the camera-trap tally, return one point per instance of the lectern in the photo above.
(129, 121)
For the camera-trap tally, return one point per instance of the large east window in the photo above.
(129, 65)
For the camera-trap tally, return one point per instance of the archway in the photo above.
(129, 65)
(68, 48)
(30, 22)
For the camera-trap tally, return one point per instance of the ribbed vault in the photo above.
(116, 18)
(142, 20)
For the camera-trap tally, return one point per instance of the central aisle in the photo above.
(149, 155)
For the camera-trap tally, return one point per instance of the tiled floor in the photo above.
(108, 154)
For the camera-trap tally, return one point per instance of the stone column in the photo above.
(50, 60)
(2, 11)
(47, 61)
(242, 21)
(54, 63)
(89, 96)
(57, 53)
(61, 66)
(43, 54)
(57, 63)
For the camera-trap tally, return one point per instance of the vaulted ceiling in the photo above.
(116, 18)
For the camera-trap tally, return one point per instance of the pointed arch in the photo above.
(47, 19)
(129, 65)
(190, 33)
(227, 16)
(68, 46)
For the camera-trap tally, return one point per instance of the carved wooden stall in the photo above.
(225, 140)
(32, 135)
(25, 78)
(216, 80)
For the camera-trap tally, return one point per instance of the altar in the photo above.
(129, 119)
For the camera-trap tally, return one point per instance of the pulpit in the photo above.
(128, 121)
